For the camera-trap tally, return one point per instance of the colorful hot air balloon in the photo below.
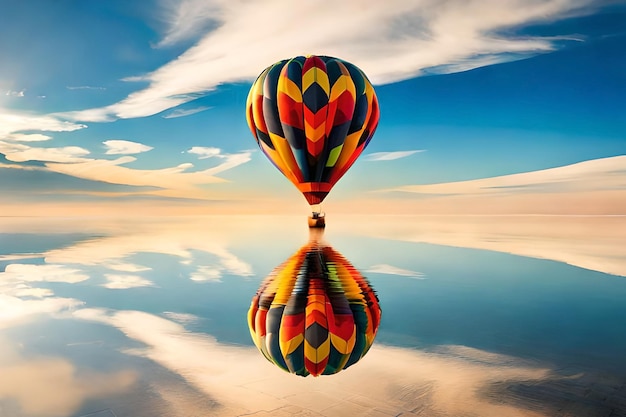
(312, 117)
(315, 314)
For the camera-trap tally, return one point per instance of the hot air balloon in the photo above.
(315, 314)
(312, 117)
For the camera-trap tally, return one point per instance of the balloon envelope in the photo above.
(312, 117)
(314, 314)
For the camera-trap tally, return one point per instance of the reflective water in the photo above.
(502, 316)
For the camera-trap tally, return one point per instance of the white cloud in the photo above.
(173, 181)
(185, 112)
(85, 87)
(230, 161)
(598, 174)
(11, 122)
(205, 152)
(170, 182)
(102, 114)
(124, 147)
(15, 93)
(123, 282)
(187, 19)
(393, 270)
(32, 137)
(389, 156)
(390, 41)
(18, 152)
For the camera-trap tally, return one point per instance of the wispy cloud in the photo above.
(394, 270)
(185, 112)
(171, 182)
(230, 161)
(85, 87)
(22, 153)
(205, 152)
(124, 147)
(15, 93)
(177, 182)
(596, 175)
(11, 122)
(187, 19)
(31, 137)
(390, 156)
(113, 172)
(390, 41)
(123, 282)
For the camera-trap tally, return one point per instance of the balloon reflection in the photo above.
(315, 314)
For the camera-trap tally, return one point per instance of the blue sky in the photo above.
(107, 102)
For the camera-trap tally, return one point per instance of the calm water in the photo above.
(506, 316)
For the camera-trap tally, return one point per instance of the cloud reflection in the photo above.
(206, 274)
(174, 237)
(394, 270)
(21, 301)
(15, 310)
(123, 282)
(51, 386)
(48, 273)
(592, 242)
(448, 382)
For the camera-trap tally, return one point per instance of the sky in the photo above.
(140, 106)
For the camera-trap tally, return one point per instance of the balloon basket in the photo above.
(317, 220)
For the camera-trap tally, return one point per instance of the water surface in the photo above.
(503, 316)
